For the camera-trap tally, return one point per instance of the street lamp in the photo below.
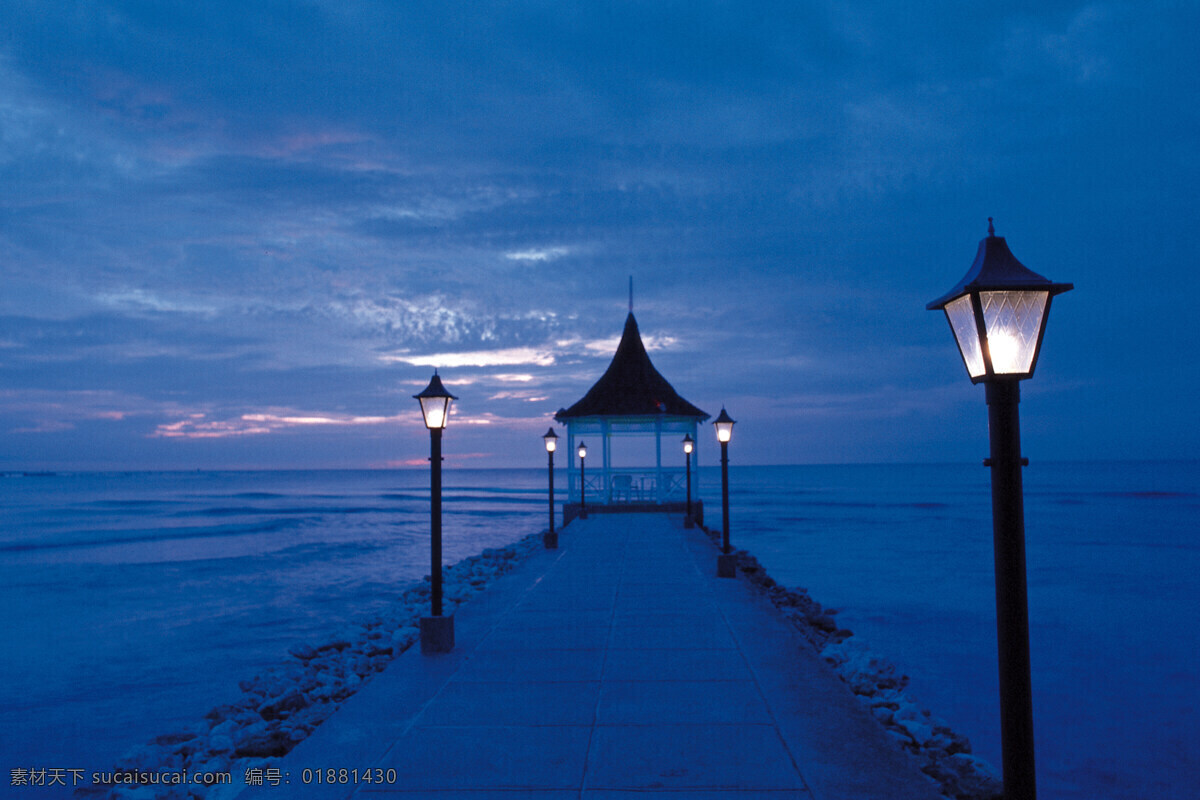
(551, 440)
(688, 445)
(437, 632)
(726, 561)
(998, 315)
(582, 482)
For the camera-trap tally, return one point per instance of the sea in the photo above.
(134, 602)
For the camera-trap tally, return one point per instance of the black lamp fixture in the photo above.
(998, 314)
(550, 540)
(726, 561)
(689, 444)
(582, 481)
(437, 632)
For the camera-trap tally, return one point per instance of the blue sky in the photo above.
(242, 234)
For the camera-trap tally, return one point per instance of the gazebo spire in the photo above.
(631, 386)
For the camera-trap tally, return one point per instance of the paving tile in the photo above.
(668, 636)
(533, 665)
(746, 757)
(575, 637)
(510, 703)
(479, 757)
(468, 794)
(684, 702)
(556, 618)
(580, 600)
(697, 794)
(626, 605)
(668, 665)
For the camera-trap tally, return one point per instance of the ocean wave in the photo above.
(155, 535)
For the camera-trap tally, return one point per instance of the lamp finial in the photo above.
(991, 227)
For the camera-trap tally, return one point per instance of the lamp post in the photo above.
(582, 481)
(726, 561)
(550, 540)
(437, 632)
(688, 445)
(998, 313)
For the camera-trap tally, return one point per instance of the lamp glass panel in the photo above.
(434, 409)
(962, 322)
(687, 447)
(550, 445)
(1013, 320)
(724, 431)
(582, 451)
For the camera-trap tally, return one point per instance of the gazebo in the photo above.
(630, 407)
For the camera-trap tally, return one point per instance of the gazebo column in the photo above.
(606, 428)
(572, 469)
(659, 488)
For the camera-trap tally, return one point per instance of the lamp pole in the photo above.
(1012, 603)
(998, 314)
(582, 481)
(550, 540)
(726, 562)
(435, 517)
(688, 445)
(437, 631)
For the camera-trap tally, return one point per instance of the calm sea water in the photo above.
(133, 603)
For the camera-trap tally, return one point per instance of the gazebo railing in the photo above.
(634, 486)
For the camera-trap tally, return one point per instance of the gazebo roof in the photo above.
(631, 386)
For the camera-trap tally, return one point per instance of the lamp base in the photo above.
(437, 635)
(550, 540)
(727, 565)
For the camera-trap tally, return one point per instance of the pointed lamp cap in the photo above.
(996, 269)
(724, 425)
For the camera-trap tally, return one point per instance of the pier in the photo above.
(617, 665)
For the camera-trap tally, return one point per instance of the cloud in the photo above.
(52, 411)
(1078, 53)
(201, 426)
(512, 356)
(538, 254)
(609, 346)
(528, 396)
(139, 300)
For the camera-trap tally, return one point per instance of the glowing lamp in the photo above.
(724, 426)
(435, 403)
(688, 444)
(998, 313)
(551, 440)
(582, 450)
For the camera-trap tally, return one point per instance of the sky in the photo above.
(242, 235)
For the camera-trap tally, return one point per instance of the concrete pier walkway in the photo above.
(618, 666)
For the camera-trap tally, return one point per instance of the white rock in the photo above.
(221, 743)
(226, 728)
(919, 732)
